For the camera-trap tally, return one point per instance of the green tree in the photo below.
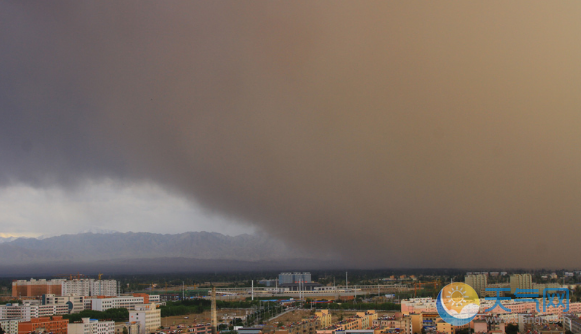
(125, 331)
(511, 329)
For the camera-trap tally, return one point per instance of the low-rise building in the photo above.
(572, 323)
(128, 302)
(130, 327)
(26, 311)
(92, 326)
(54, 325)
(361, 321)
(324, 317)
(74, 302)
(200, 329)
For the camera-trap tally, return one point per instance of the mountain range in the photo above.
(150, 252)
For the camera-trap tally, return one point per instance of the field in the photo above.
(201, 318)
(225, 315)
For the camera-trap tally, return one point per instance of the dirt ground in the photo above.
(203, 318)
(298, 315)
(286, 319)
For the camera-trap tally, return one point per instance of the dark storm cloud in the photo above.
(398, 134)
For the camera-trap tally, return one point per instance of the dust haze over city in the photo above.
(378, 134)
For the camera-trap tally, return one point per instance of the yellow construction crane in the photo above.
(435, 284)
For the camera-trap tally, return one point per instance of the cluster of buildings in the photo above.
(321, 323)
(81, 287)
(479, 282)
(538, 312)
(44, 302)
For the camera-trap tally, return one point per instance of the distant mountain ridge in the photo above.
(7, 239)
(116, 246)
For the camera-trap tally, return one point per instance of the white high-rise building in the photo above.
(296, 277)
(92, 326)
(90, 287)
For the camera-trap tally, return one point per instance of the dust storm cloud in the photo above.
(393, 134)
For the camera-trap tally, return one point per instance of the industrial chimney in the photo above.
(214, 316)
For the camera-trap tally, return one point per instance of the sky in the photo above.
(398, 134)
(106, 206)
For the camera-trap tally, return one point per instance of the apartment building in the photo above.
(36, 288)
(54, 325)
(27, 312)
(148, 316)
(324, 318)
(477, 282)
(361, 320)
(520, 281)
(427, 321)
(80, 287)
(572, 323)
(74, 302)
(200, 329)
(90, 287)
(418, 305)
(92, 326)
(128, 302)
(10, 326)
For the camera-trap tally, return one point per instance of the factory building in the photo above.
(296, 277)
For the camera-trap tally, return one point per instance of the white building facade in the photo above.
(148, 316)
(92, 326)
(26, 312)
(103, 304)
(90, 287)
(74, 302)
(10, 326)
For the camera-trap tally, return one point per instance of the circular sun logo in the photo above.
(458, 303)
(457, 297)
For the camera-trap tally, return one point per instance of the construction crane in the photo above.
(148, 284)
(100, 276)
(71, 276)
(435, 284)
